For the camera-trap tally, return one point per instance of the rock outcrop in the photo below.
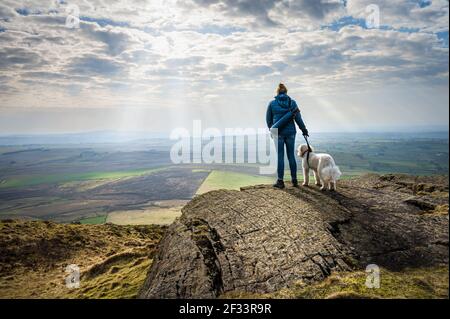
(262, 239)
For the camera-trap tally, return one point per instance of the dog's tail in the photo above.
(331, 173)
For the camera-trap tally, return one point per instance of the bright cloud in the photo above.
(220, 60)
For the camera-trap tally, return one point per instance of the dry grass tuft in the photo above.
(113, 259)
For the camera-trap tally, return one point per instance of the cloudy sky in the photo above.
(159, 64)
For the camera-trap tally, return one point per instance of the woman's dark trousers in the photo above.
(289, 142)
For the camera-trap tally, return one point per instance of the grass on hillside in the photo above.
(230, 180)
(119, 281)
(70, 177)
(421, 283)
(113, 260)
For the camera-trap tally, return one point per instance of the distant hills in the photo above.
(95, 137)
(117, 137)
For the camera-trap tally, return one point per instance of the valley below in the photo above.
(123, 213)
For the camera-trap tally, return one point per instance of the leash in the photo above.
(309, 150)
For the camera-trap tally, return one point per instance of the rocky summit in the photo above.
(261, 239)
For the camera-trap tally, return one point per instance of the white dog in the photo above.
(325, 170)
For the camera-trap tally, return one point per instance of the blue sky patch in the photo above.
(23, 11)
(27, 11)
(424, 3)
(220, 30)
(349, 20)
(443, 37)
(406, 30)
(104, 22)
(345, 21)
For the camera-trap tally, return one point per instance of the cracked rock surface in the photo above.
(262, 239)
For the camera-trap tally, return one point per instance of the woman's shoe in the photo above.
(279, 184)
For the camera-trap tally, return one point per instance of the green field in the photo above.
(71, 177)
(231, 180)
(94, 220)
(388, 154)
(201, 170)
(68, 183)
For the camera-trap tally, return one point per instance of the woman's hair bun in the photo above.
(282, 89)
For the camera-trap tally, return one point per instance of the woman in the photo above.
(276, 113)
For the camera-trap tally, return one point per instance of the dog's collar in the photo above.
(303, 154)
